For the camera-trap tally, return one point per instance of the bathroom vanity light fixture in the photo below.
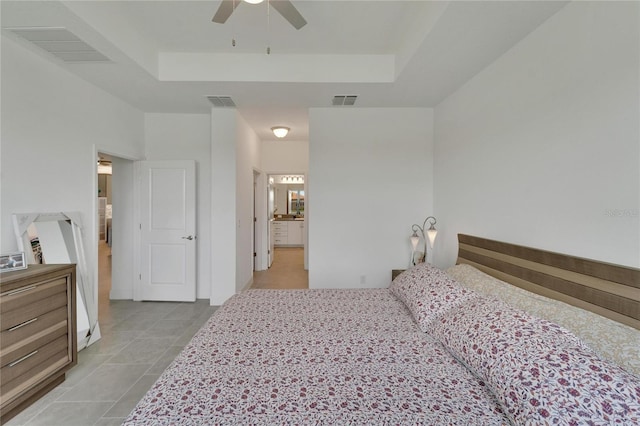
(280, 131)
(415, 239)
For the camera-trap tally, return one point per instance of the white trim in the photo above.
(137, 292)
(261, 243)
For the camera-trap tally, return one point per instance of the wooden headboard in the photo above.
(609, 290)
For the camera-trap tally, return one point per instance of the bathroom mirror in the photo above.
(57, 238)
(295, 200)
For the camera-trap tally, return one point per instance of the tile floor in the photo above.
(139, 340)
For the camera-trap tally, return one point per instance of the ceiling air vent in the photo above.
(221, 101)
(344, 100)
(61, 43)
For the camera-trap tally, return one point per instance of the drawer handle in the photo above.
(18, 361)
(20, 290)
(15, 327)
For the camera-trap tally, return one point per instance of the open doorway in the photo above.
(114, 232)
(105, 233)
(287, 234)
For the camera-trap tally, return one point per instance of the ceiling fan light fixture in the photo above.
(283, 7)
(280, 131)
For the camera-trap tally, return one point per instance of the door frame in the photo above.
(260, 236)
(91, 223)
(264, 190)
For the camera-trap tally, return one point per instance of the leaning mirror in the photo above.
(57, 238)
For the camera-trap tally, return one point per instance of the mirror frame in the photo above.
(84, 281)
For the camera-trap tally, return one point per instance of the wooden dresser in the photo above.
(396, 272)
(38, 341)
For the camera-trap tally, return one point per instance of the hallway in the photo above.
(104, 280)
(286, 272)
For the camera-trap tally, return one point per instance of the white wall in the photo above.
(123, 228)
(370, 179)
(223, 204)
(188, 137)
(248, 160)
(541, 148)
(285, 156)
(52, 125)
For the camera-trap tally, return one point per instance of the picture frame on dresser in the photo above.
(12, 262)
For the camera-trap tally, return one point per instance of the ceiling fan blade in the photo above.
(225, 10)
(289, 12)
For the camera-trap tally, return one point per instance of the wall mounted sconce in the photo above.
(280, 131)
(431, 234)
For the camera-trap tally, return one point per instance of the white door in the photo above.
(167, 231)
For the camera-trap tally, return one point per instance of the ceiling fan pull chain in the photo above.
(268, 27)
(233, 32)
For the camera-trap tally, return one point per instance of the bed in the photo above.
(436, 347)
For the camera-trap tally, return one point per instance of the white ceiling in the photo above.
(167, 56)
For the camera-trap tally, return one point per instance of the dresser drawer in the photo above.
(15, 353)
(26, 359)
(30, 368)
(19, 306)
(23, 333)
(280, 226)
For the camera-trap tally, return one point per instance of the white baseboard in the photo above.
(247, 286)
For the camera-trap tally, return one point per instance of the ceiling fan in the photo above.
(284, 7)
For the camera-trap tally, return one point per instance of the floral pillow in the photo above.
(611, 340)
(540, 372)
(428, 293)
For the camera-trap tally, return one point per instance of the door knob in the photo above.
(188, 238)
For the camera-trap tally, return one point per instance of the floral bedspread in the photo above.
(321, 357)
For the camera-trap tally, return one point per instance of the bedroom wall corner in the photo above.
(370, 179)
(248, 160)
(223, 204)
(541, 148)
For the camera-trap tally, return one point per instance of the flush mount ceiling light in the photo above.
(280, 131)
(254, 1)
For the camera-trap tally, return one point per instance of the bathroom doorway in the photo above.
(287, 233)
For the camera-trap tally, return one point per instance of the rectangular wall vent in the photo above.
(61, 43)
(344, 100)
(221, 101)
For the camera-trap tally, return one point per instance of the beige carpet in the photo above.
(286, 272)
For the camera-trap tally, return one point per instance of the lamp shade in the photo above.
(280, 131)
(431, 235)
(414, 240)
